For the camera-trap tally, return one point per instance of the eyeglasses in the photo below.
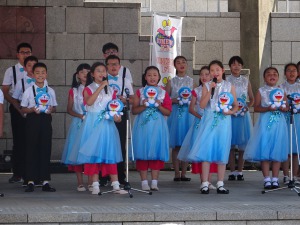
(25, 53)
(113, 64)
(111, 52)
(292, 71)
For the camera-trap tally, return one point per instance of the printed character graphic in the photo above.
(225, 100)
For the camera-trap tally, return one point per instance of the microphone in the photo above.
(290, 97)
(213, 89)
(127, 92)
(105, 88)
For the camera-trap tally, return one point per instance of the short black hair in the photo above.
(109, 45)
(298, 64)
(270, 68)
(290, 64)
(30, 58)
(39, 64)
(24, 45)
(112, 57)
(237, 59)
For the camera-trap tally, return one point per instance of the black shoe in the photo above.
(204, 189)
(29, 188)
(25, 183)
(240, 177)
(103, 181)
(38, 183)
(15, 179)
(48, 188)
(222, 190)
(231, 177)
(267, 185)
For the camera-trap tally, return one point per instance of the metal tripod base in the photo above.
(291, 185)
(128, 188)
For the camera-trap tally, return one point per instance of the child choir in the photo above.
(201, 129)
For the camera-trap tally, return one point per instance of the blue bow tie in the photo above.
(41, 89)
(115, 78)
(21, 70)
(29, 80)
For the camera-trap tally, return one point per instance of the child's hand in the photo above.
(49, 110)
(117, 118)
(212, 85)
(158, 102)
(122, 99)
(144, 101)
(283, 109)
(103, 84)
(270, 108)
(175, 101)
(36, 110)
(229, 112)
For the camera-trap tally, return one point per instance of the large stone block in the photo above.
(194, 26)
(7, 133)
(61, 97)
(121, 20)
(145, 25)
(55, 19)
(26, 3)
(281, 52)
(13, 218)
(230, 49)
(59, 217)
(4, 65)
(187, 50)
(3, 2)
(56, 72)
(274, 222)
(295, 52)
(196, 5)
(84, 20)
(64, 2)
(280, 27)
(227, 29)
(58, 125)
(71, 66)
(94, 43)
(57, 148)
(217, 223)
(165, 6)
(65, 46)
(126, 216)
(185, 215)
(206, 51)
(247, 215)
(134, 48)
(135, 67)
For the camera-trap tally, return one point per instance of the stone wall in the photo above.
(76, 31)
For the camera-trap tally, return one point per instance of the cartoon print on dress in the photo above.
(276, 99)
(114, 107)
(116, 88)
(225, 100)
(241, 107)
(184, 96)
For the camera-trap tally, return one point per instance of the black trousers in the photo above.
(38, 148)
(18, 124)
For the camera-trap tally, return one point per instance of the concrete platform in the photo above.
(175, 203)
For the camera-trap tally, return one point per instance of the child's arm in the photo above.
(287, 107)
(26, 110)
(70, 110)
(165, 107)
(90, 99)
(192, 107)
(1, 119)
(136, 107)
(169, 90)
(206, 95)
(258, 107)
(250, 95)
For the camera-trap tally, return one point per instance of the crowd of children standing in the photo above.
(206, 129)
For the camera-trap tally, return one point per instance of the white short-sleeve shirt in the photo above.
(127, 74)
(118, 84)
(28, 99)
(1, 97)
(9, 77)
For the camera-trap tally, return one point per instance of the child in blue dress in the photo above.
(76, 109)
(189, 139)
(292, 88)
(268, 143)
(241, 122)
(98, 139)
(150, 131)
(180, 119)
(212, 143)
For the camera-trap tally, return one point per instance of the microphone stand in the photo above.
(127, 187)
(291, 183)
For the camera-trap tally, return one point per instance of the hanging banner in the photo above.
(166, 44)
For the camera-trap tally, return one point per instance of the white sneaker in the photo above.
(145, 187)
(96, 188)
(154, 187)
(90, 187)
(211, 187)
(81, 188)
(286, 180)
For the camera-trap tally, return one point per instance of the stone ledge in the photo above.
(284, 15)
(65, 217)
(204, 14)
(118, 217)
(111, 5)
(247, 215)
(25, 3)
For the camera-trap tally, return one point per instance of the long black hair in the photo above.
(75, 81)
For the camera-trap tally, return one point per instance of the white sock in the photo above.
(275, 179)
(154, 183)
(220, 183)
(115, 185)
(267, 179)
(239, 173)
(204, 184)
(45, 182)
(144, 182)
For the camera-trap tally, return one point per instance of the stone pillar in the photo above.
(255, 36)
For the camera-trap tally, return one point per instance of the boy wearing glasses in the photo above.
(11, 76)
(112, 49)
